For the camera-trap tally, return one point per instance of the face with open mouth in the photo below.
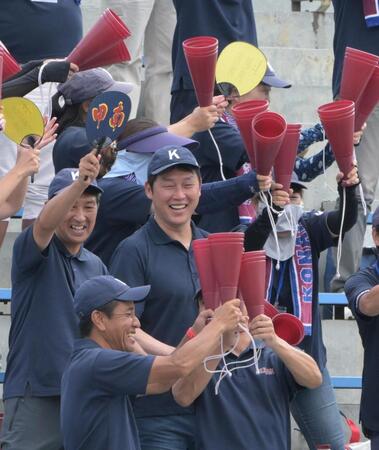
(175, 195)
(78, 223)
(120, 328)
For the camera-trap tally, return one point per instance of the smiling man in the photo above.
(49, 263)
(160, 254)
(105, 366)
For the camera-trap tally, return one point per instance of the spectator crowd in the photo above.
(112, 345)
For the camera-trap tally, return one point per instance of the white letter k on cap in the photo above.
(172, 154)
(75, 174)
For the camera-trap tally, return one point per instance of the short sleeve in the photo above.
(119, 372)
(356, 286)
(124, 202)
(229, 142)
(26, 255)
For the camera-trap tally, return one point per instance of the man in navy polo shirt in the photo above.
(125, 206)
(49, 263)
(105, 366)
(362, 290)
(251, 410)
(160, 254)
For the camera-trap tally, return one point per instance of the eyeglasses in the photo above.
(128, 314)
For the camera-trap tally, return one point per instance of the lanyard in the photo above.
(282, 271)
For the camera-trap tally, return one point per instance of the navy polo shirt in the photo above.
(96, 413)
(227, 20)
(33, 29)
(152, 257)
(124, 208)
(251, 411)
(351, 31)
(357, 285)
(70, 147)
(320, 239)
(44, 323)
(233, 155)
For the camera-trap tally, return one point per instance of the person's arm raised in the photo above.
(56, 208)
(201, 119)
(167, 369)
(302, 367)
(334, 218)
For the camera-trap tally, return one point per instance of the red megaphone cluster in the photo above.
(244, 114)
(337, 118)
(9, 64)
(103, 44)
(268, 139)
(218, 260)
(224, 269)
(360, 83)
(201, 56)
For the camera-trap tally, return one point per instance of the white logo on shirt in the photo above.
(172, 153)
(266, 371)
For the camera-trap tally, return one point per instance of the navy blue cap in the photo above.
(152, 139)
(98, 291)
(375, 218)
(295, 182)
(170, 156)
(65, 178)
(271, 79)
(88, 84)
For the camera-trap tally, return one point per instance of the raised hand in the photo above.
(229, 314)
(28, 160)
(352, 178)
(89, 167)
(49, 134)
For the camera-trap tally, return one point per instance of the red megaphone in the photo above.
(252, 284)
(337, 119)
(208, 282)
(285, 159)
(367, 101)
(201, 56)
(104, 35)
(244, 113)
(268, 129)
(226, 260)
(114, 55)
(356, 73)
(10, 66)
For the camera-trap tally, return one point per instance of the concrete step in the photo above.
(299, 103)
(302, 66)
(295, 29)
